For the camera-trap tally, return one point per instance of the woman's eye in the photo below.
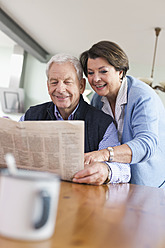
(103, 71)
(90, 73)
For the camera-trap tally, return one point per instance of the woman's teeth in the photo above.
(100, 86)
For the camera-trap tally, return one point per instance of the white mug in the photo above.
(28, 204)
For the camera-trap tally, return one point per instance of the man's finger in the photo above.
(93, 179)
(88, 171)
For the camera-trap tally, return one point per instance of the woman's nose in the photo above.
(96, 77)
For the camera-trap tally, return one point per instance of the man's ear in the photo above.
(82, 85)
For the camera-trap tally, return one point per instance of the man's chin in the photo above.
(62, 106)
(61, 101)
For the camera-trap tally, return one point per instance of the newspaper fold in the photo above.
(54, 146)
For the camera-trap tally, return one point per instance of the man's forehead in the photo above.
(57, 77)
(66, 70)
(62, 65)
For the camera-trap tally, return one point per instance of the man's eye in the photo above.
(53, 83)
(67, 82)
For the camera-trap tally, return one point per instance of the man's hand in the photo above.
(102, 155)
(96, 173)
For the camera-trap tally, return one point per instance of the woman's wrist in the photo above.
(111, 153)
(105, 155)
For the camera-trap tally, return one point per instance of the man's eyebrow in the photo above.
(68, 78)
(51, 79)
(55, 79)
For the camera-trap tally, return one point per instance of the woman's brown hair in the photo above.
(108, 50)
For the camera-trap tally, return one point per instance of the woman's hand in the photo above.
(96, 173)
(122, 154)
(102, 155)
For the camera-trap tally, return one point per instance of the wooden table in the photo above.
(117, 216)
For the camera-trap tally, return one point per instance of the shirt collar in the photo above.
(122, 94)
(58, 115)
(121, 100)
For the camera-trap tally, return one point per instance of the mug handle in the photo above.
(46, 209)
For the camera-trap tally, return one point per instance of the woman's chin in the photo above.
(101, 92)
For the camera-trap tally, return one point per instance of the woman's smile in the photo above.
(100, 86)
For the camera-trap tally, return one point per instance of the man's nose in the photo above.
(60, 87)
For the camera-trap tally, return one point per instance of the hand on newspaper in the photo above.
(101, 155)
(94, 173)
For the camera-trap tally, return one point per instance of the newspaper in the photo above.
(54, 146)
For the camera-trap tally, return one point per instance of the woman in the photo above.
(138, 113)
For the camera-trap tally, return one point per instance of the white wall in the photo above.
(5, 57)
(34, 80)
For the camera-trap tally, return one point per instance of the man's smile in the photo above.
(61, 97)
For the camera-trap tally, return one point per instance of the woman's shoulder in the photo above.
(137, 88)
(141, 93)
(134, 83)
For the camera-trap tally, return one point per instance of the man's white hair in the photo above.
(63, 58)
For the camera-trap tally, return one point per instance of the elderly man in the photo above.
(65, 86)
